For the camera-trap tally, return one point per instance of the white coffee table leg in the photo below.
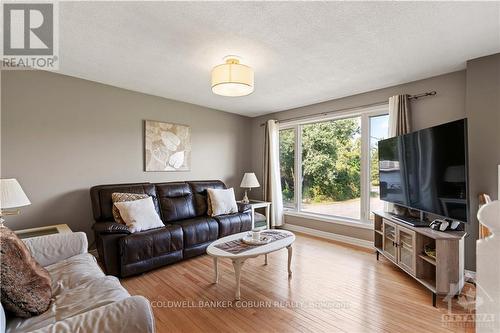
(265, 262)
(289, 248)
(216, 271)
(237, 263)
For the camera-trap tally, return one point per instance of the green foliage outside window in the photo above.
(331, 161)
(287, 153)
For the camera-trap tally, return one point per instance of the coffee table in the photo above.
(239, 258)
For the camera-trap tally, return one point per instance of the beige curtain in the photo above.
(272, 177)
(399, 115)
(399, 123)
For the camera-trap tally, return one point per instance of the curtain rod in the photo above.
(414, 97)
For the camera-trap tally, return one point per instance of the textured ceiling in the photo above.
(302, 53)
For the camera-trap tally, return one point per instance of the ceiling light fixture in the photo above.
(232, 78)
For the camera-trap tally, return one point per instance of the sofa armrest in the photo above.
(49, 249)
(132, 314)
(243, 208)
(110, 228)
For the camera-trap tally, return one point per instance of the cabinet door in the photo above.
(390, 249)
(406, 249)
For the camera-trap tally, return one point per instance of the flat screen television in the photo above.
(427, 170)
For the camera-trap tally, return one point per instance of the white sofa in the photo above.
(85, 300)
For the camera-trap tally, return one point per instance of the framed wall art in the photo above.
(167, 146)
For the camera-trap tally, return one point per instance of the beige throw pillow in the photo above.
(209, 205)
(139, 215)
(122, 197)
(221, 201)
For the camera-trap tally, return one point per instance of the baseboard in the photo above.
(329, 235)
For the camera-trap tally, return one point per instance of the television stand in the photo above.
(414, 222)
(404, 245)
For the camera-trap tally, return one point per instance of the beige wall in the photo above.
(447, 105)
(336, 228)
(483, 113)
(61, 135)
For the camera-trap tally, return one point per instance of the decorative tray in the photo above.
(250, 241)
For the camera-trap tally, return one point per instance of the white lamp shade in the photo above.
(11, 194)
(249, 180)
(232, 78)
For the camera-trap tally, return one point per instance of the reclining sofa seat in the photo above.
(188, 229)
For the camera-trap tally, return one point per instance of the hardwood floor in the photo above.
(334, 288)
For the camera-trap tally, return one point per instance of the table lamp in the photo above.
(248, 182)
(12, 197)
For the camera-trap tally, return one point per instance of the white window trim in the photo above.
(365, 113)
(379, 109)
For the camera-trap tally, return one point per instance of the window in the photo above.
(337, 160)
(379, 130)
(331, 167)
(287, 166)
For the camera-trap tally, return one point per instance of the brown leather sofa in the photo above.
(188, 229)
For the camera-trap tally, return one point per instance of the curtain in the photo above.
(399, 115)
(272, 177)
(399, 123)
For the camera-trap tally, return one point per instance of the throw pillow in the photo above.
(139, 214)
(121, 197)
(222, 201)
(209, 205)
(26, 286)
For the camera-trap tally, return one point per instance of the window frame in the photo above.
(365, 113)
(292, 207)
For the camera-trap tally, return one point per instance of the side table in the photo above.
(254, 204)
(42, 231)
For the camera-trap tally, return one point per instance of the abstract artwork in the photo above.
(167, 146)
